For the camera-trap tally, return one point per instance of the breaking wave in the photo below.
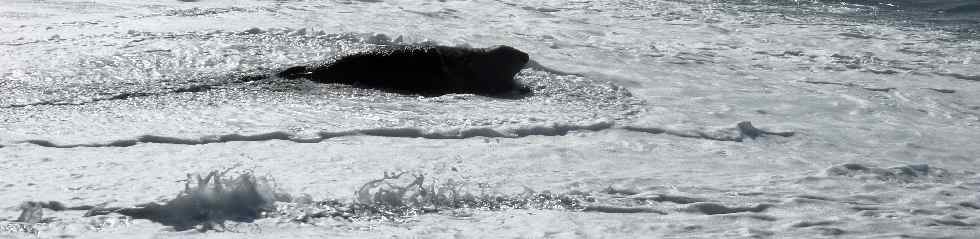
(212, 201)
(209, 202)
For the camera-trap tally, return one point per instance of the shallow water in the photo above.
(700, 119)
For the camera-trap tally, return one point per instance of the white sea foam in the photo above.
(694, 119)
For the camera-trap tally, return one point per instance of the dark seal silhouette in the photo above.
(425, 70)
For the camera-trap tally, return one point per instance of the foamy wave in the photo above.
(552, 129)
(207, 202)
(742, 131)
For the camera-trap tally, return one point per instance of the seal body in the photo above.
(426, 70)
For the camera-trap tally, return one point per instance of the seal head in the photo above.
(494, 70)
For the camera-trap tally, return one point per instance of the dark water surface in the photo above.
(961, 17)
(952, 7)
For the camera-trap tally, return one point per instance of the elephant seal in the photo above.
(425, 70)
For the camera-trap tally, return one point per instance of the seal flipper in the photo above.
(295, 72)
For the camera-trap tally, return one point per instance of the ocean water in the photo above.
(963, 15)
(648, 118)
(952, 7)
(960, 16)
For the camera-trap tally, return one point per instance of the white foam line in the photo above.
(743, 130)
